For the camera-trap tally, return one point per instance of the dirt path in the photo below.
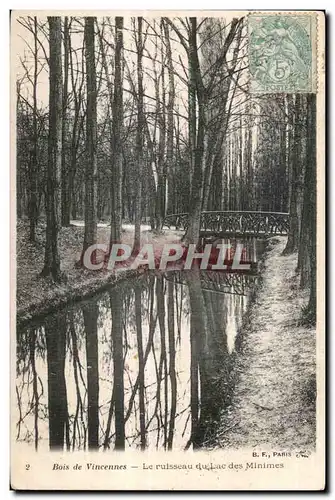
(274, 397)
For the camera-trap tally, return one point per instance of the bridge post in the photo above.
(266, 226)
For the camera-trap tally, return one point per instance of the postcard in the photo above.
(168, 238)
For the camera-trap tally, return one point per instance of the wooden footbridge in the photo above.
(234, 223)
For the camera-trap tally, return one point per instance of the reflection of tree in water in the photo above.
(79, 427)
(30, 345)
(209, 360)
(90, 313)
(118, 390)
(172, 366)
(122, 370)
(55, 335)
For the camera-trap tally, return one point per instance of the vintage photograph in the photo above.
(166, 182)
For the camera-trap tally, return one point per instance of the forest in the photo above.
(122, 123)
(128, 120)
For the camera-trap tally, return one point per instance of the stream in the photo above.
(148, 364)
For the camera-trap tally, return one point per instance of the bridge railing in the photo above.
(234, 222)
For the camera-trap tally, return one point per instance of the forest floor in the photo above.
(273, 403)
(36, 295)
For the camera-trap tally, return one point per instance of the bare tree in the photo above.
(53, 191)
(295, 155)
(33, 211)
(170, 168)
(116, 191)
(91, 138)
(139, 133)
(65, 166)
(308, 222)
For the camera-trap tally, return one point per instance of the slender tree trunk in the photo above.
(196, 91)
(170, 167)
(303, 266)
(283, 162)
(162, 160)
(192, 122)
(33, 208)
(75, 132)
(240, 162)
(310, 178)
(225, 193)
(53, 195)
(160, 195)
(249, 167)
(234, 171)
(163, 138)
(19, 166)
(139, 136)
(293, 236)
(65, 167)
(116, 193)
(91, 138)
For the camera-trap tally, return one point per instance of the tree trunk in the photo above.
(116, 192)
(310, 179)
(53, 195)
(91, 139)
(249, 168)
(240, 162)
(295, 152)
(19, 176)
(76, 130)
(160, 164)
(303, 266)
(196, 92)
(33, 210)
(139, 136)
(65, 168)
(170, 167)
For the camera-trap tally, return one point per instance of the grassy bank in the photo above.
(37, 295)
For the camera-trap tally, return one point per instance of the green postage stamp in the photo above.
(282, 54)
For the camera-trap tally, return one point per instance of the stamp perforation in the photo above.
(276, 70)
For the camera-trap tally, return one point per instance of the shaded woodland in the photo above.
(130, 119)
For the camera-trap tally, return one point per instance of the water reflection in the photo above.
(145, 365)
